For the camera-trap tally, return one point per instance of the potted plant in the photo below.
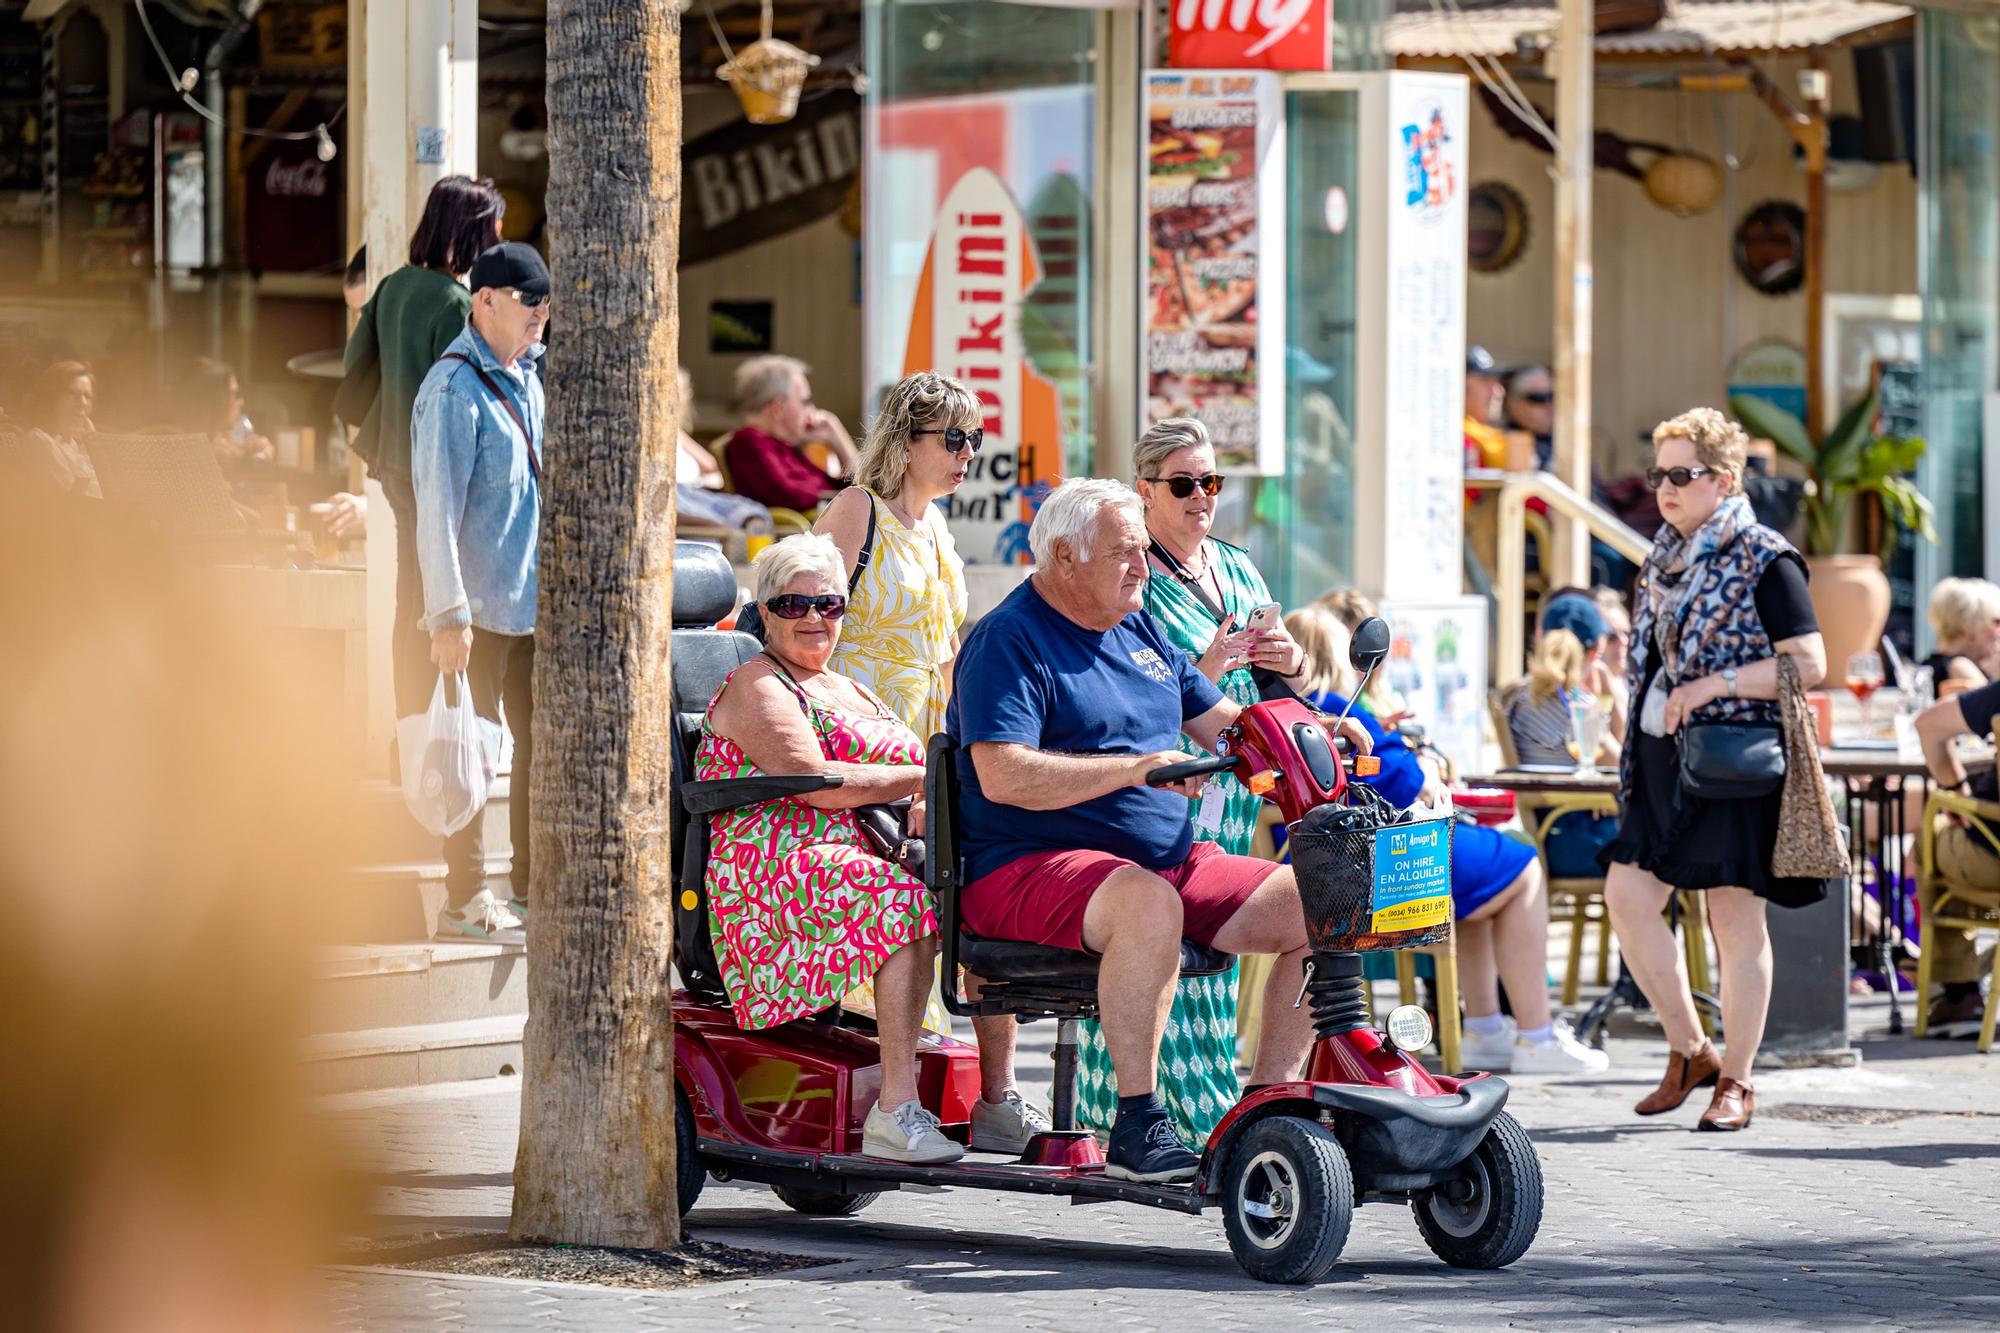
(1850, 593)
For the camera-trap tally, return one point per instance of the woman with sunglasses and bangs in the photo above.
(801, 907)
(1719, 599)
(1202, 592)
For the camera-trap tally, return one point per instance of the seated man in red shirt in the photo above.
(765, 455)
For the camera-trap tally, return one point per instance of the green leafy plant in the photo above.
(1852, 460)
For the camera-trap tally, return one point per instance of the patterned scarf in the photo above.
(1671, 575)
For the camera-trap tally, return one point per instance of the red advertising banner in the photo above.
(1251, 34)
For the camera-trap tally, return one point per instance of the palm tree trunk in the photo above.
(596, 1157)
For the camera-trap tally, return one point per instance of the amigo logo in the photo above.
(1402, 844)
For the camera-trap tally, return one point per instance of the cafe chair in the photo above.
(787, 522)
(1578, 900)
(1450, 1024)
(1953, 904)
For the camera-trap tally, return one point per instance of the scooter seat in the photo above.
(1012, 960)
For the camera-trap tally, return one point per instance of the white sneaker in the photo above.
(908, 1134)
(1492, 1055)
(1562, 1053)
(485, 918)
(1006, 1125)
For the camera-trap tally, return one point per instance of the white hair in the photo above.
(763, 380)
(1164, 439)
(803, 553)
(1070, 514)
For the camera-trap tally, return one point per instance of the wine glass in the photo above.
(1864, 677)
(1586, 731)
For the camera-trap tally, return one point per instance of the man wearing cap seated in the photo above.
(1065, 696)
(476, 466)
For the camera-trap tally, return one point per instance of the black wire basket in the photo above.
(1370, 878)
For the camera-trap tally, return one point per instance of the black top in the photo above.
(1979, 706)
(1940, 665)
(1783, 604)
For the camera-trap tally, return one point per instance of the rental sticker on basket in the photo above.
(1412, 877)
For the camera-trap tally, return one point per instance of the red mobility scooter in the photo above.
(1286, 1167)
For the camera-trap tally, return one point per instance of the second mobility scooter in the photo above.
(1286, 1166)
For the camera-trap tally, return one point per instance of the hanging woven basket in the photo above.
(767, 76)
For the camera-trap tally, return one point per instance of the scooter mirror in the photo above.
(1370, 644)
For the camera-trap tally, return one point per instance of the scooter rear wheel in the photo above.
(1287, 1200)
(823, 1203)
(1488, 1216)
(690, 1174)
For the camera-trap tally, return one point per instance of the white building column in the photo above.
(418, 122)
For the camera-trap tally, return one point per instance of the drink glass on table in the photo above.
(1864, 677)
(1586, 731)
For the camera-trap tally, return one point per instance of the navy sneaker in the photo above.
(1144, 1148)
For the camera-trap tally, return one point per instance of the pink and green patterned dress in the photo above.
(800, 909)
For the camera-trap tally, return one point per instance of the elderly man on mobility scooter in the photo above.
(1067, 696)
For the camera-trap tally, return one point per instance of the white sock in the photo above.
(1492, 1025)
(1537, 1036)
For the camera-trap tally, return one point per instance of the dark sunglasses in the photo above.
(957, 440)
(1538, 399)
(1183, 487)
(529, 299)
(794, 605)
(1679, 476)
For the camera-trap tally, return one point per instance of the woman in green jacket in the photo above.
(404, 328)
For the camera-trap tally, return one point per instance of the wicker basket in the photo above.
(1335, 855)
(767, 76)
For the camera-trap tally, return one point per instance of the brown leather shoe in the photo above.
(1684, 1074)
(1731, 1107)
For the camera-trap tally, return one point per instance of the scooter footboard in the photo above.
(1397, 1142)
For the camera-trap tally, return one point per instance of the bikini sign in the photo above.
(966, 322)
(1251, 34)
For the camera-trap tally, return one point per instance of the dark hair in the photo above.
(1522, 372)
(204, 394)
(460, 219)
(54, 380)
(357, 269)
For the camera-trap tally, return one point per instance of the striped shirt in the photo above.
(1542, 731)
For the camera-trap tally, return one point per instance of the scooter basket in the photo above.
(1368, 881)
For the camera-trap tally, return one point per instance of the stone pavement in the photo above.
(1860, 1196)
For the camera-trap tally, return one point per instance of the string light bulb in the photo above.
(324, 141)
(189, 78)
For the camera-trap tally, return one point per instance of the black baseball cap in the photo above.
(511, 264)
(1478, 361)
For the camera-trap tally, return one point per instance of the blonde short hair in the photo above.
(923, 401)
(1325, 640)
(1958, 606)
(763, 380)
(1720, 444)
(804, 553)
(1164, 439)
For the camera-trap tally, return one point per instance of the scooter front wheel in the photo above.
(1287, 1200)
(1487, 1216)
(823, 1203)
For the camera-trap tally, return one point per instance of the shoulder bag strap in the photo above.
(867, 544)
(534, 457)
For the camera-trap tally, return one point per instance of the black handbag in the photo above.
(1731, 761)
(887, 830)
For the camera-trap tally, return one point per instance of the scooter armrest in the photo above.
(715, 795)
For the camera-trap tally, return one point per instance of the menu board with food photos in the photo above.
(1214, 289)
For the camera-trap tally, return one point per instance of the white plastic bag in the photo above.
(449, 755)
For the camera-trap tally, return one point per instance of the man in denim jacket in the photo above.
(476, 465)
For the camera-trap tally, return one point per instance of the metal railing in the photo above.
(1514, 489)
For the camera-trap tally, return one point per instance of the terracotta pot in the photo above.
(1850, 597)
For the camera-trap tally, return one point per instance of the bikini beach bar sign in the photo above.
(1215, 321)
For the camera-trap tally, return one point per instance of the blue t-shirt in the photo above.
(1029, 675)
(1401, 780)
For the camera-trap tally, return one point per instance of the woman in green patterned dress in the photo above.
(1202, 592)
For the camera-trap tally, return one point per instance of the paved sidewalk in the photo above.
(1837, 1209)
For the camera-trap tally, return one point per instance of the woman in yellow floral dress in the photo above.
(905, 603)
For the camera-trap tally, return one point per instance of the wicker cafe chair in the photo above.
(1954, 904)
(1578, 899)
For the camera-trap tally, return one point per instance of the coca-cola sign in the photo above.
(1251, 34)
(296, 180)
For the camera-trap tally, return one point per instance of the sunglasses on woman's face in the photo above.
(793, 606)
(957, 440)
(1679, 476)
(1183, 487)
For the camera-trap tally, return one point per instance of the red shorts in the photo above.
(1040, 899)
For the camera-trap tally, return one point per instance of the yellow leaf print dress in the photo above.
(901, 627)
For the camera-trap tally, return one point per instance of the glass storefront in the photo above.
(1959, 259)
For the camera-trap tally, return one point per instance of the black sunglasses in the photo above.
(529, 299)
(957, 440)
(1183, 487)
(1538, 399)
(1679, 476)
(794, 605)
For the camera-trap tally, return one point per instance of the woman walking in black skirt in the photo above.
(1719, 599)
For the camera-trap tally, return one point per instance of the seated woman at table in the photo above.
(1966, 849)
(1720, 599)
(1965, 621)
(801, 908)
(1501, 915)
(213, 405)
(1567, 664)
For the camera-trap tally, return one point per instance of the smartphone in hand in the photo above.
(1263, 619)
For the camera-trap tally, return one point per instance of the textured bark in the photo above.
(596, 1159)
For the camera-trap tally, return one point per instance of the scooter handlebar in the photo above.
(1193, 768)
